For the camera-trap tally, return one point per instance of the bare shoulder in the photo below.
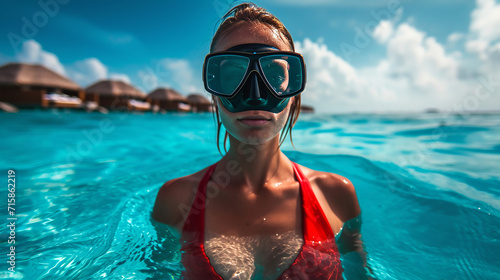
(338, 191)
(174, 199)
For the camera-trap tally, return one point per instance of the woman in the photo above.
(255, 214)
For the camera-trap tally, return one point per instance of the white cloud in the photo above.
(421, 60)
(171, 73)
(182, 74)
(88, 71)
(91, 70)
(455, 37)
(416, 74)
(485, 21)
(332, 83)
(484, 36)
(477, 47)
(33, 53)
(383, 31)
(490, 60)
(84, 72)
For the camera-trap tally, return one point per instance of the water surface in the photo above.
(428, 186)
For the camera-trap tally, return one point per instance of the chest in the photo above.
(265, 214)
(256, 257)
(242, 215)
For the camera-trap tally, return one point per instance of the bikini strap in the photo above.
(195, 221)
(315, 225)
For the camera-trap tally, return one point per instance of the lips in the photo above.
(254, 120)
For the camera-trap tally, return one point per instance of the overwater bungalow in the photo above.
(118, 95)
(199, 103)
(306, 109)
(35, 86)
(168, 100)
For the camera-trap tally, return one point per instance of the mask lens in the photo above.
(225, 73)
(283, 73)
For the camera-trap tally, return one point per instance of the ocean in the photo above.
(85, 183)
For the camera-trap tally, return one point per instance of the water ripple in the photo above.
(430, 204)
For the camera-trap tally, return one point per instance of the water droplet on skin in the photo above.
(276, 33)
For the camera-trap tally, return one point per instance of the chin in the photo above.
(258, 136)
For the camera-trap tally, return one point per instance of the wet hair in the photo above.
(249, 12)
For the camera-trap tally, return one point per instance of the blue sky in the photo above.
(362, 56)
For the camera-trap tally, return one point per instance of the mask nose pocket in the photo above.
(254, 94)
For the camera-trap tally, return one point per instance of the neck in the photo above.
(258, 166)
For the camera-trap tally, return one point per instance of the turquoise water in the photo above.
(428, 185)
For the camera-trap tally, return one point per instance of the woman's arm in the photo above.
(349, 238)
(344, 203)
(173, 202)
(352, 248)
(163, 262)
(164, 209)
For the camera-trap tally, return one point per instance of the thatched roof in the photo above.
(167, 94)
(198, 99)
(116, 88)
(307, 109)
(33, 75)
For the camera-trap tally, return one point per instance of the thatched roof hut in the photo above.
(115, 88)
(113, 94)
(22, 74)
(306, 109)
(199, 103)
(169, 100)
(166, 94)
(25, 85)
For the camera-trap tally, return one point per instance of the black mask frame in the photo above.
(254, 91)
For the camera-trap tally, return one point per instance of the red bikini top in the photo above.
(318, 258)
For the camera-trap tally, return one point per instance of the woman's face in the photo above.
(253, 127)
